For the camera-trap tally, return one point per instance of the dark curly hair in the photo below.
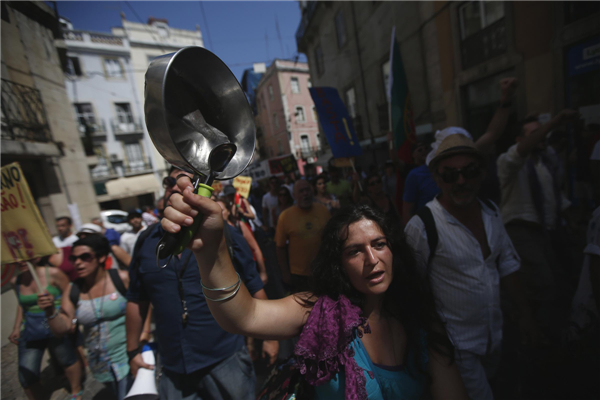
(408, 298)
(98, 243)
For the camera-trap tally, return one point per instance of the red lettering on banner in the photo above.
(16, 241)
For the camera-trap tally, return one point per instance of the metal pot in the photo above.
(193, 105)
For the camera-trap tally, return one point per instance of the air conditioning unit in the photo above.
(114, 157)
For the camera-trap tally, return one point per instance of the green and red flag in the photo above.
(400, 109)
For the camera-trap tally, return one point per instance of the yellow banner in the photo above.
(218, 186)
(243, 184)
(24, 233)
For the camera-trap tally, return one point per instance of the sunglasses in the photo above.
(85, 257)
(169, 182)
(469, 172)
(375, 182)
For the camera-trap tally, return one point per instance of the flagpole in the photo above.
(354, 169)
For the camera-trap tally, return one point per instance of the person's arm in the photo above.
(260, 260)
(498, 123)
(446, 382)
(62, 323)
(121, 254)
(241, 313)
(531, 141)
(16, 332)
(135, 313)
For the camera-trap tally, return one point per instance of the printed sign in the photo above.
(24, 233)
(584, 57)
(336, 122)
(218, 186)
(243, 184)
(283, 165)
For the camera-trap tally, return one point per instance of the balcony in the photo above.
(307, 15)
(137, 167)
(127, 128)
(309, 152)
(23, 114)
(94, 129)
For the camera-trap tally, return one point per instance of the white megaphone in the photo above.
(144, 386)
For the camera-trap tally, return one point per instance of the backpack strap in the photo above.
(75, 291)
(117, 281)
(430, 230)
(491, 205)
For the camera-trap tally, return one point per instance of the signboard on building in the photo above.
(584, 57)
(24, 233)
(336, 122)
(243, 184)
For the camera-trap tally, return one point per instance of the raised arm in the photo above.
(498, 123)
(531, 141)
(241, 313)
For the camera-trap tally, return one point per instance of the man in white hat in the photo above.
(461, 244)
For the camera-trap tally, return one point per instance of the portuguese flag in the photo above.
(400, 109)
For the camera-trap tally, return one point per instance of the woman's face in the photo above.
(321, 186)
(375, 186)
(85, 261)
(367, 258)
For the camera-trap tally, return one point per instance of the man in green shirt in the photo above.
(340, 188)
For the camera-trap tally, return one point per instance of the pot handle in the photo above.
(172, 244)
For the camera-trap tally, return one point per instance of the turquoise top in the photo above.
(103, 321)
(389, 382)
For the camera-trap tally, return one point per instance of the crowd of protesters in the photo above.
(406, 281)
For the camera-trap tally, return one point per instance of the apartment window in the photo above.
(113, 68)
(270, 92)
(309, 83)
(305, 144)
(279, 147)
(275, 120)
(295, 83)
(315, 116)
(340, 29)
(351, 102)
(73, 66)
(385, 73)
(482, 30)
(319, 60)
(134, 156)
(124, 115)
(300, 117)
(85, 113)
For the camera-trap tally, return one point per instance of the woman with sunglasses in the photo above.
(31, 332)
(368, 328)
(374, 196)
(96, 300)
(284, 201)
(324, 197)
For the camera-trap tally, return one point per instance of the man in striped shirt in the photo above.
(473, 255)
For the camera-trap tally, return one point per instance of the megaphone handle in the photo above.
(173, 244)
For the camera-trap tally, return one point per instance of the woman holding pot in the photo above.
(368, 329)
(97, 301)
(32, 333)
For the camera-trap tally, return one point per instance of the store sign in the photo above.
(584, 57)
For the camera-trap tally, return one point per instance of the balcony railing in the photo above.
(23, 113)
(125, 128)
(95, 129)
(106, 39)
(308, 152)
(307, 14)
(137, 167)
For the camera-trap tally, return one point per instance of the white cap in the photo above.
(89, 228)
(443, 134)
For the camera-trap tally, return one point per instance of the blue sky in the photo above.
(240, 33)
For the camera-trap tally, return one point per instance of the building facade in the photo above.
(147, 41)
(38, 129)
(286, 117)
(101, 86)
(454, 55)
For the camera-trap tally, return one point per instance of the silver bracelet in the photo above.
(227, 297)
(222, 289)
(56, 312)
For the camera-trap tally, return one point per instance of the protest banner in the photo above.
(336, 122)
(283, 165)
(24, 233)
(218, 186)
(243, 184)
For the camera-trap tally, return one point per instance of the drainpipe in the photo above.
(362, 80)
